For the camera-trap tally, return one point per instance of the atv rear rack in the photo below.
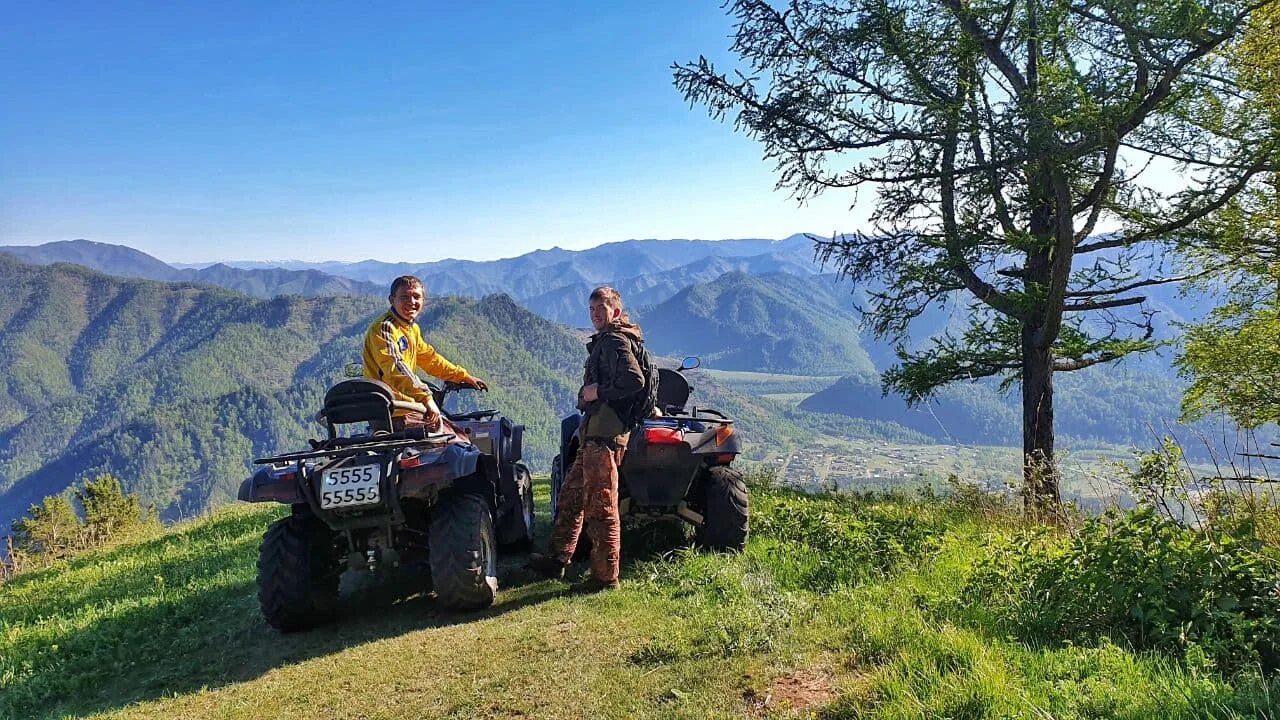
(698, 418)
(392, 441)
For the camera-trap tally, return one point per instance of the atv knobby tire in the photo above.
(298, 574)
(516, 529)
(725, 510)
(463, 553)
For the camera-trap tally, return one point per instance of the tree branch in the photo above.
(1102, 305)
(1064, 365)
(1142, 284)
(992, 49)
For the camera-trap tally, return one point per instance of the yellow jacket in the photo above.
(393, 348)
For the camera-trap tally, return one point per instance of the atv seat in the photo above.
(673, 391)
(358, 400)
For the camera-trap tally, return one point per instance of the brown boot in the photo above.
(593, 585)
(546, 565)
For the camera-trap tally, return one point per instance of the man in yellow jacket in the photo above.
(394, 348)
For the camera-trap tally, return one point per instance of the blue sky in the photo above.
(315, 131)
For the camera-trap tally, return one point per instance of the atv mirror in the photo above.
(353, 370)
(690, 363)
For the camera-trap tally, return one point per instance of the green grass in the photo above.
(168, 627)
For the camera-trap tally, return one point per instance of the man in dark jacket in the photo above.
(612, 383)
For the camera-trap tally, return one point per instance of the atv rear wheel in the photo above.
(516, 530)
(725, 510)
(461, 543)
(298, 573)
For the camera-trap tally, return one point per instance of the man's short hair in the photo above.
(607, 295)
(611, 298)
(404, 281)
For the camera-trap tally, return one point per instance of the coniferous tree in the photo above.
(1003, 137)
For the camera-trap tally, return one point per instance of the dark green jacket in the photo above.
(612, 365)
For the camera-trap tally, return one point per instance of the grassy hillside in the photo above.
(879, 622)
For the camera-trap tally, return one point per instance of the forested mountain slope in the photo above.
(773, 323)
(175, 387)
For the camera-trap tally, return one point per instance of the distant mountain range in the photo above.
(174, 384)
(610, 262)
(126, 262)
(555, 283)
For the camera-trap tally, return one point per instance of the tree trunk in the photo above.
(1040, 477)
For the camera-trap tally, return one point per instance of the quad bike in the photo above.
(676, 464)
(381, 498)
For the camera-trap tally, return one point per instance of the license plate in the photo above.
(350, 485)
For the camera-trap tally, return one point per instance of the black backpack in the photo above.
(647, 399)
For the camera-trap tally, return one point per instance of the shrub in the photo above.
(1141, 579)
(109, 510)
(51, 529)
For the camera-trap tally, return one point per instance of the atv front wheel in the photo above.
(462, 547)
(725, 510)
(297, 573)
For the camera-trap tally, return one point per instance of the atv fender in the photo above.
(272, 484)
(437, 468)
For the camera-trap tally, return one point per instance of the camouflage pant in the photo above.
(589, 495)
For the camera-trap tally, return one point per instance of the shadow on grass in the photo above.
(193, 626)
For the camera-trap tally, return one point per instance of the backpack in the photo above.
(647, 399)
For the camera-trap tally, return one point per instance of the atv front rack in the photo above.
(344, 447)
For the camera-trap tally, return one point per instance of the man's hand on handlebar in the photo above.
(474, 382)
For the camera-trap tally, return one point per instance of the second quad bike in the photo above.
(677, 463)
(382, 497)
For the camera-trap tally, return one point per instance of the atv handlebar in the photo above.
(441, 391)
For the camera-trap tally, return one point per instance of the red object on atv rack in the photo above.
(663, 436)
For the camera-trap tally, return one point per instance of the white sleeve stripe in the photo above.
(401, 366)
